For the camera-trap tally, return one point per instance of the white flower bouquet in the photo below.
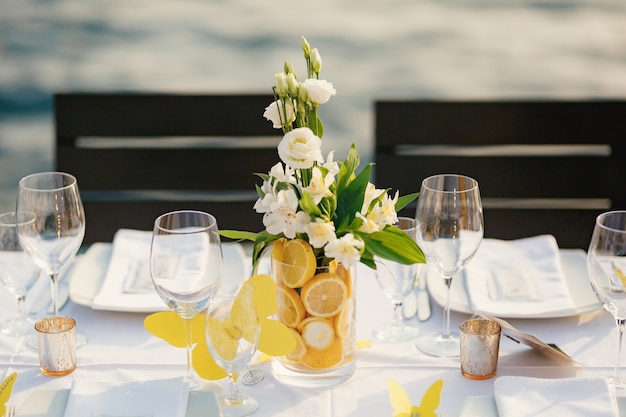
(338, 211)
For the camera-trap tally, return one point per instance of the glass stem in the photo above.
(188, 324)
(618, 356)
(21, 312)
(233, 396)
(54, 291)
(397, 315)
(445, 333)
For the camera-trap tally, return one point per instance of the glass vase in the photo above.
(319, 306)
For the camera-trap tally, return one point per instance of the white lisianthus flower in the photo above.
(320, 232)
(283, 217)
(300, 148)
(274, 113)
(319, 91)
(319, 185)
(346, 249)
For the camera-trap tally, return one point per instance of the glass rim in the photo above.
(472, 181)
(24, 180)
(601, 217)
(14, 216)
(211, 223)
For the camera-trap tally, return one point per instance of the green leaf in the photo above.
(347, 169)
(393, 244)
(405, 200)
(308, 205)
(239, 235)
(350, 200)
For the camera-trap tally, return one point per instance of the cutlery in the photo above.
(409, 305)
(10, 411)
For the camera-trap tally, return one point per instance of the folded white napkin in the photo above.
(571, 397)
(518, 278)
(127, 285)
(156, 398)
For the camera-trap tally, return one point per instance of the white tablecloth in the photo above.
(120, 349)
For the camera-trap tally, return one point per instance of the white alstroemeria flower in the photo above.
(282, 173)
(282, 215)
(371, 194)
(384, 212)
(263, 205)
(319, 185)
(274, 113)
(300, 148)
(331, 165)
(346, 249)
(320, 232)
(368, 226)
(319, 91)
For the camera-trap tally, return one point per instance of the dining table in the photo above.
(120, 349)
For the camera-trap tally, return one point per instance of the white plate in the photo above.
(574, 263)
(51, 403)
(90, 270)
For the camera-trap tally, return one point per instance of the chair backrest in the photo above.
(542, 166)
(137, 156)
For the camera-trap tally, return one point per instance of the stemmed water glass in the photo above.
(397, 280)
(449, 223)
(18, 272)
(232, 335)
(186, 267)
(53, 239)
(606, 264)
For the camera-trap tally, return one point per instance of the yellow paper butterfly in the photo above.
(5, 391)
(275, 340)
(402, 404)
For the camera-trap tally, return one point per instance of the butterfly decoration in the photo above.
(275, 339)
(402, 404)
(5, 392)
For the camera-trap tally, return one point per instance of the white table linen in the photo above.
(120, 349)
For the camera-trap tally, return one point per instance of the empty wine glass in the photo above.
(397, 281)
(606, 264)
(232, 335)
(18, 272)
(186, 267)
(449, 224)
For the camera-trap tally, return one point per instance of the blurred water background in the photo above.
(454, 49)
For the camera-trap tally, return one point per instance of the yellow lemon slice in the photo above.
(299, 351)
(343, 322)
(318, 333)
(277, 248)
(290, 309)
(297, 264)
(324, 295)
(324, 358)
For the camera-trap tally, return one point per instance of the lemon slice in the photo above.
(299, 351)
(324, 358)
(343, 322)
(297, 264)
(290, 309)
(324, 295)
(318, 333)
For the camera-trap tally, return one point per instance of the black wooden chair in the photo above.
(137, 156)
(542, 166)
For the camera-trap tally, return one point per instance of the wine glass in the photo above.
(397, 280)
(18, 272)
(186, 267)
(232, 335)
(606, 264)
(449, 223)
